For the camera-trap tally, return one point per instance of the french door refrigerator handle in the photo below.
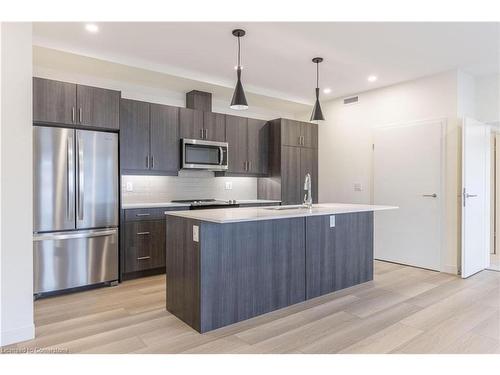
(80, 179)
(69, 176)
(70, 235)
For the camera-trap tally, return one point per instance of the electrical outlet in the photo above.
(332, 221)
(358, 187)
(196, 233)
(129, 187)
(228, 185)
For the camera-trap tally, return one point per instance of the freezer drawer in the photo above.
(72, 259)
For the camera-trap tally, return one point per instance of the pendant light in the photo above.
(239, 100)
(317, 114)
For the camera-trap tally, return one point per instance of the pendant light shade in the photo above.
(317, 113)
(239, 100)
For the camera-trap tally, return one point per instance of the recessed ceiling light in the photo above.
(372, 78)
(327, 90)
(91, 27)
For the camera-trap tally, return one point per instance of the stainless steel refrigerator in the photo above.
(75, 213)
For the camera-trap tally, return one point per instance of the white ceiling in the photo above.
(277, 56)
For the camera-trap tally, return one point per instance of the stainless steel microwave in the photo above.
(200, 154)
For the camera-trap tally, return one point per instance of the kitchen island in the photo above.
(228, 265)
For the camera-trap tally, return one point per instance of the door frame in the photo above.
(443, 122)
(487, 203)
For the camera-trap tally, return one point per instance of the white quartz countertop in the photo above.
(235, 215)
(127, 206)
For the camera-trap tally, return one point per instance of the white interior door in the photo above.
(408, 173)
(475, 197)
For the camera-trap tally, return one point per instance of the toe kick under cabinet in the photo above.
(143, 242)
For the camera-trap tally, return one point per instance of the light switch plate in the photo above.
(196, 233)
(332, 221)
(358, 186)
(228, 185)
(129, 187)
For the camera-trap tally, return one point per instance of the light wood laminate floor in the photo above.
(404, 310)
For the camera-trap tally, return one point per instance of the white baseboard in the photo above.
(447, 268)
(17, 335)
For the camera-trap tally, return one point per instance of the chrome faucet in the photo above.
(308, 200)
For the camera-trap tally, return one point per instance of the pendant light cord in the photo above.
(239, 65)
(317, 75)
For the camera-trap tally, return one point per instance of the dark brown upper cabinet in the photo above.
(98, 107)
(237, 138)
(293, 153)
(134, 135)
(214, 125)
(164, 139)
(258, 146)
(298, 133)
(149, 138)
(77, 105)
(248, 145)
(54, 101)
(191, 123)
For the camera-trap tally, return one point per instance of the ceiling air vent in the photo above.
(351, 100)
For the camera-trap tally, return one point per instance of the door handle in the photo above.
(143, 233)
(73, 115)
(434, 195)
(69, 173)
(221, 155)
(80, 180)
(143, 258)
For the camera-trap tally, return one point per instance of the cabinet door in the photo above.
(290, 132)
(291, 187)
(98, 107)
(340, 256)
(164, 138)
(309, 164)
(237, 137)
(215, 126)
(144, 245)
(309, 132)
(190, 123)
(258, 140)
(134, 136)
(54, 101)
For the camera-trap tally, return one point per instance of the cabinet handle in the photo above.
(143, 258)
(80, 115)
(201, 133)
(73, 115)
(152, 162)
(143, 233)
(147, 162)
(249, 165)
(139, 215)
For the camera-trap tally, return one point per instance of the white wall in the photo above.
(345, 142)
(16, 247)
(488, 98)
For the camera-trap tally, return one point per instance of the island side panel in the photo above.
(341, 256)
(183, 270)
(250, 268)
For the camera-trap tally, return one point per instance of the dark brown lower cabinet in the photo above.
(235, 271)
(145, 245)
(339, 252)
(142, 246)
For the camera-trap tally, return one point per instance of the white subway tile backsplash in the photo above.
(188, 185)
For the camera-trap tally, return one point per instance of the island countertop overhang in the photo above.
(236, 215)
